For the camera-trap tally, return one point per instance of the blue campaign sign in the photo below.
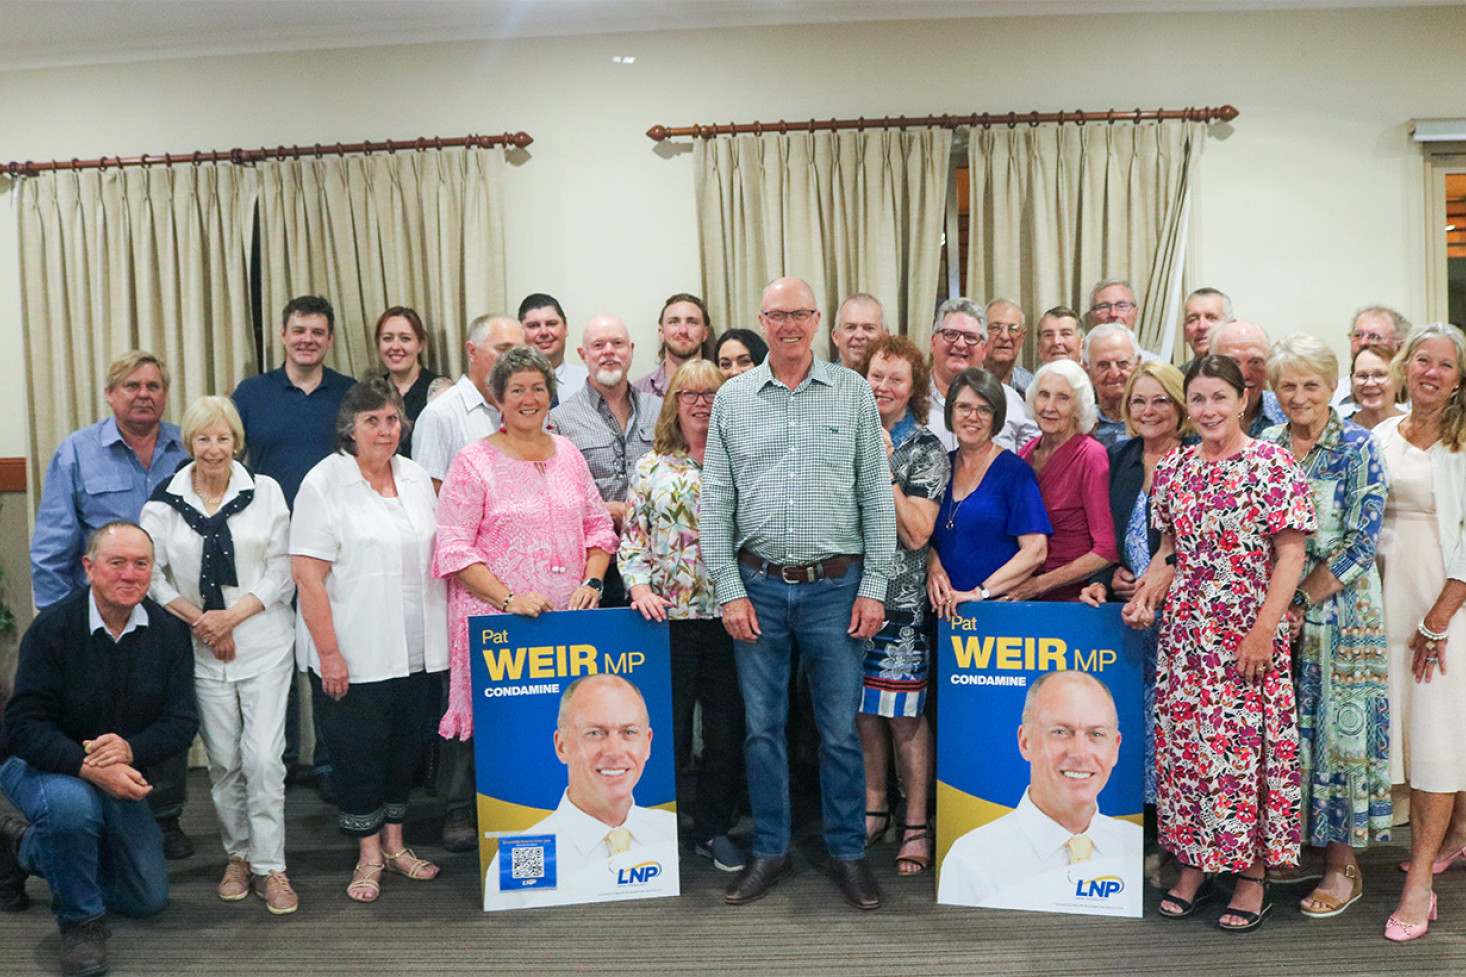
(589, 816)
(1049, 819)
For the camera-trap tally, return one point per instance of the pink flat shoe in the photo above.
(1403, 932)
(1437, 868)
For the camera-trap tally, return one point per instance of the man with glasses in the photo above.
(1205, 309)
(959, 341)
(799, 536)
(1006, 333)
(1109, 359)
(860, 322)
(1113, 301)
(1375, 325)
(546, 329)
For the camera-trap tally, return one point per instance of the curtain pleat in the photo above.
(1055, 209)
(846, 211)
(368, 232)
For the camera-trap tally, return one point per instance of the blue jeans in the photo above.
(817, 615)
(95, 852)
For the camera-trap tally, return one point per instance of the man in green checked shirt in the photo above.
(799, 535)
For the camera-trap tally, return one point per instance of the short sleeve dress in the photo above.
(978, 533)
(1227, 765)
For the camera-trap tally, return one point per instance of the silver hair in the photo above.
(479, 328)
(1203, 292)
(1105, 283)
(1105, 330)
(1302, 352)
(1401, 324)
(517, 359)
(1226, 328)
(1073, 374)
(961, 305)
(1022, 319)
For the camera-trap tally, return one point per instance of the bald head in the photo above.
(1246, 344)
(606, 348)
(790, 320)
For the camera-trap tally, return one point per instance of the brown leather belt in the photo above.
(833, 568)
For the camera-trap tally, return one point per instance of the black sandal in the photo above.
(873, 837)
(912, 833)
(1253, 920)
(1204, 894)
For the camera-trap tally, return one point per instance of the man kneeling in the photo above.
(104, 686)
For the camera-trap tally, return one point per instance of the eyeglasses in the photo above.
(1104, 308)
(693, 396)
(956, 337)
(998, 328)
(780, 316)
(1372, 337)
(1138, 404)
(965, 410)
(1370, 377)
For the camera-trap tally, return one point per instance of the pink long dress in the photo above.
(530, 523)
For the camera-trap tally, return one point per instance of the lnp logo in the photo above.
(638, 874)
(1100, 888)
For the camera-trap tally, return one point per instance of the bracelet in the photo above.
(507, 598)
(1428, 634)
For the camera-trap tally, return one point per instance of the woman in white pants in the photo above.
(222, 563)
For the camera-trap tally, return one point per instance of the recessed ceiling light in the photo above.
(623, 58)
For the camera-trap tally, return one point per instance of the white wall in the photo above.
(1310, 203)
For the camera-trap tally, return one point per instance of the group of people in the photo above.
(787, 514)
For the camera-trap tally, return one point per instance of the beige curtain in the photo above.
(141, 258)
(421, 229)
(1055, 209)
(846, 211)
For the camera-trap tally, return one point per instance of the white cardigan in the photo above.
(1448, 485)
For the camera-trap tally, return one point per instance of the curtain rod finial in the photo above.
(1227, 113)
(657, 133)
(521, 139)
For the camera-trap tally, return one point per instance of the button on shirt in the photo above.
(449, 422)
(796, 477)
(286, 430)
(610, 453)
(94, 478)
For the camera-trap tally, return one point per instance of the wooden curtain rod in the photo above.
(519, 139)
(986, 120)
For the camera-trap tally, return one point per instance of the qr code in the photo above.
(529, 863)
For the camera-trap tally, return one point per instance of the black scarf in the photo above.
(216, 568)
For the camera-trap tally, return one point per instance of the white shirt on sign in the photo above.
(1021, 861)
(585, 869)
(451, 420)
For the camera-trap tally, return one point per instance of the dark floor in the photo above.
(802, 927)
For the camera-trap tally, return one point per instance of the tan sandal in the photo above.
(417, 868)
(1324, 905)
(366, 882)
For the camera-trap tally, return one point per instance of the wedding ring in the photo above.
(1432, 659)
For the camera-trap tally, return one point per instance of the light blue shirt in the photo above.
(94, 478)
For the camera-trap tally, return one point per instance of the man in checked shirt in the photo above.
(799, 536)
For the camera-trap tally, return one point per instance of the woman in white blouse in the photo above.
(373, 623)
(222, 564)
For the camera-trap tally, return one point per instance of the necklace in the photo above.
(986, 463)
(206, 500)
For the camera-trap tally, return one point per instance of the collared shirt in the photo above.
(1108, 431)
(341, 519)
(1020, 380)
(1270, 414)
(569, 379)
(921, 467)
(137, 619)
(265, 641)
(450, 421)
(659, 537)
(655, 382)
(610, 453)
(1018, 427)
(585, 869)
(1021, 861)
(94, 478)
(797, 476)
(286, 430)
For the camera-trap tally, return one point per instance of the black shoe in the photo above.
(460, 832)
(857, 883)
(84, 947)
(13, 898)
(757, 878)
(176, 844)
(324, 788)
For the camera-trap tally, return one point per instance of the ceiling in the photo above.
(55, 33)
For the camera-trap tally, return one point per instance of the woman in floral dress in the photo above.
(1233, 514)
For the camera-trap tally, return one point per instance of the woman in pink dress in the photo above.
(1233, 515)
(521, 526)
(1073, 472)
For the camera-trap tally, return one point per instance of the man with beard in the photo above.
(612, 423)
(959, 341)
(685, 333)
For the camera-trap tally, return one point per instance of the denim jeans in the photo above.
(817, 615)
(96, 852)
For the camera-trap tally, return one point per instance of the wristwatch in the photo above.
(983, 591)
(1300, 599)
(596, 584)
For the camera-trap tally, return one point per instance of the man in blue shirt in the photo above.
(289, 417)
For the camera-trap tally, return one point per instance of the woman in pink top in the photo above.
(521, 526)
(1074, 477)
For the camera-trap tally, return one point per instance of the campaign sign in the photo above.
(585, 811)
(1047, 817)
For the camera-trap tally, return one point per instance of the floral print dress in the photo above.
(1227, 766)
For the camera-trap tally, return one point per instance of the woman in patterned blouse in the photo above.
(662, 565)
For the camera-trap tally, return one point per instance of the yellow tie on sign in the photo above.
(1081, 849)
(619, 839)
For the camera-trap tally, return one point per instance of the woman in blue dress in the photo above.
(992, 529)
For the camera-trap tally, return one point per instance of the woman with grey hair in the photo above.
(1073, 472)
(1423, 566)
(372, 625)
(1337, 619)
(521, 526)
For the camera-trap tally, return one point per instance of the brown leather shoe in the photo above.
(756, 879)
(84, 947)
(857, 883)
(13, 898)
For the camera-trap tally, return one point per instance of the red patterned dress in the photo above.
(1227, 764)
